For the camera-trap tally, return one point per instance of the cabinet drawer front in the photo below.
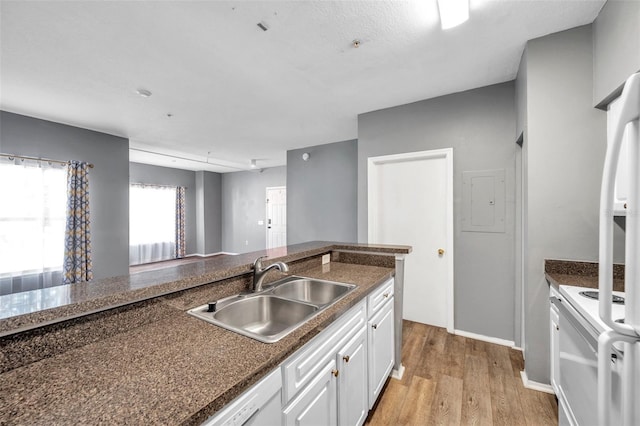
(379, 297)
(308, 360)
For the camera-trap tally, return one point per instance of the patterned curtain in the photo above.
(180, 214)
(77, 244)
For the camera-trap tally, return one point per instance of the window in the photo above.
(152, 223)
(32, 224)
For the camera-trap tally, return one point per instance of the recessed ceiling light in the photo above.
(453, 12)
(144, 93)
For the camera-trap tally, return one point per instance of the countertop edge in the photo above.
(43, 317)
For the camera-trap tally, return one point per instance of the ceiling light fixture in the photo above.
(143, 92)
(453, 12)
(253, 164)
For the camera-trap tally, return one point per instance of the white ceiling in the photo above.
(238, 93)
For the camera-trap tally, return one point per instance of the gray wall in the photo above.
(616, 46)
(322, 193)
(480, 126)
(145, 173)
(208, 212)
(520, 191)
(108, 180)
(564, 152)
(243, 205)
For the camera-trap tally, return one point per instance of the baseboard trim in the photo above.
(530, 384)
(397, 374)
(496, 340)
(517, 348)
(211, 254)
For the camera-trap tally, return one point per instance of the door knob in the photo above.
(346, 358)
(440, 252)
(335, 373)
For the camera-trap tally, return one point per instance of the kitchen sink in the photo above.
(276, 311)
(313, 291)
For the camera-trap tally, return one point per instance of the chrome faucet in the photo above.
(259, 272)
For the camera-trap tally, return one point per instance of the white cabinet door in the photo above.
(352, 381)
(316, 405)
(554, 333)
(381, 352)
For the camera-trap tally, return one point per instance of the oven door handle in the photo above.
(605, 347)
(586, 331)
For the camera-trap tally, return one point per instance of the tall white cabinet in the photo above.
(381, 332)
(352, 385)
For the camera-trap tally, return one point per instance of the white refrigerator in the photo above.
(624, 136)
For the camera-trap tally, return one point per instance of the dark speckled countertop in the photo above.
(158, 365)
(579, 274)
(22, 311)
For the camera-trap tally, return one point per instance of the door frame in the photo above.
(372, 200)
(266, 214)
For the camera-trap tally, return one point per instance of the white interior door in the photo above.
(276, 217)
(411, 202)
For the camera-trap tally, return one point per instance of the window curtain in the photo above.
(180, 214)
(32, 222)
(152, 223)
(77, 247)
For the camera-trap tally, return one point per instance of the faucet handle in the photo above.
(257, 264)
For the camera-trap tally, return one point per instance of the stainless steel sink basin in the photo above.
(312, 291)
(270, 315)
(263, 317)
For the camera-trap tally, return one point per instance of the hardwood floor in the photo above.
(453, 380)
(169, 263)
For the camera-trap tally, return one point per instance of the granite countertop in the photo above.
(175, 369)
(32, 309)
(579, 274)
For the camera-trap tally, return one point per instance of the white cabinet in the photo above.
(352, 381)
(343, 346)
(317, 403)
(302, 366)
(381, 350)
(332, 380)
(554, 341)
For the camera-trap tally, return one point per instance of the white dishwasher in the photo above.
(260, 405)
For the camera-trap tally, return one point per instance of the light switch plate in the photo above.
(326, 259)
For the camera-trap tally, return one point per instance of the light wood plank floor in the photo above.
(453, 380)
(169, 263)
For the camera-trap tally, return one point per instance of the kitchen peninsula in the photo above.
(125, 350)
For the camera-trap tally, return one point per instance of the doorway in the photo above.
(276, 216)
(410, 201)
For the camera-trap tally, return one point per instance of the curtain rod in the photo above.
(48, 160)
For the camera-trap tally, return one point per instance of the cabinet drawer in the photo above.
(308, 360)
(379, 297)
